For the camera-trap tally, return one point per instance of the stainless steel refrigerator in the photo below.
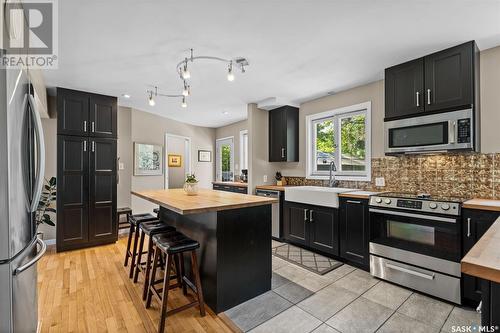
(22, 168)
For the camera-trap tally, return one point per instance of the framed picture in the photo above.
(204, 156)
(148, 159)
(174, 161)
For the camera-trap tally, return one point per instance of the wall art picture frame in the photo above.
(148, 159)
(174, 160)
(204, 156)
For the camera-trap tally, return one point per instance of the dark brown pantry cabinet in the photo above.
(443, 81)
(284, 134)
(86, 169)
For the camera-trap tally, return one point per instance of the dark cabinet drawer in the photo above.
(230, 188)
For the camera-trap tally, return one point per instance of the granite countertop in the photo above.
(239, 184)
(483, 259)
(206, 200)
(483, 204)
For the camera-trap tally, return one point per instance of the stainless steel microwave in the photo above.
(454, 130)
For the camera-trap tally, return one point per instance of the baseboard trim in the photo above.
(49, 241)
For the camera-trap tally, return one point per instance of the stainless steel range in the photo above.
(415, 241)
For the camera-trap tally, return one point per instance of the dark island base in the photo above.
(235, 252)
(490, 308)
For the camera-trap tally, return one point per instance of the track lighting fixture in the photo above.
(185, 71)
(151, 100)
(184, 104)
(153, 93)
(230, 75)
(186, 91)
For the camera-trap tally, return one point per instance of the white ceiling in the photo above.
(298, 50)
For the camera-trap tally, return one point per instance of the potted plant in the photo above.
(191, 185)
(49, 194)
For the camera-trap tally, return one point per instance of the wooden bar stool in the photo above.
(150, 229)
(123, 211)
(174, 244)
(135, 221)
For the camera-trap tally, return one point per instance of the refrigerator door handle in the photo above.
(40, 155)
(43, 249)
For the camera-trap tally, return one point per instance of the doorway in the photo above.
(179, 148)
(225, 159)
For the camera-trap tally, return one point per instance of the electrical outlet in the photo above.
(121, 166)
(265, 178)
(380, 181)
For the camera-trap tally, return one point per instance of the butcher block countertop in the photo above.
(239, 184)
(483, 204)
(206, 200)
(483, 260)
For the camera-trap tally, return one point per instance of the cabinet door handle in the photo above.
(93, 146)
(468, 227)
(85, 145)
(418, 98)
(311, 215)
(282, 152)
(93, 127)
(353, 202)
(428, 96)
(85, 126)
(305, 214)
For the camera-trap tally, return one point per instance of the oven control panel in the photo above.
(428, 206)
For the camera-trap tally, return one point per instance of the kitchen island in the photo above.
(234, 231)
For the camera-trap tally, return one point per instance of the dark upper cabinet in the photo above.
(324, 229)
(103, 122)
(443, 81)
(284, 134)
(449, 78)
(72, 191)
(86, 114)
(312, 226)
(103, 225)
(354, 231)
(72, 112)
(404, 88)
(474, 225)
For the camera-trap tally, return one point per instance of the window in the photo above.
(225, 159)
(244, 149)
(341, 136)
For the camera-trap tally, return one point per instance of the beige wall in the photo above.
(490, 100)
(177, 175)
(258, 149)
(50, 135)
(234, 131)
(150, 128)
(125, 154)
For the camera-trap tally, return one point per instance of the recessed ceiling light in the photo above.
(125, 95)
(225, 113)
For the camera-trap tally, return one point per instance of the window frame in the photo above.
(336, 115)
(243, 158)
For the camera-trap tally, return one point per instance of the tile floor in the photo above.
(344, 300)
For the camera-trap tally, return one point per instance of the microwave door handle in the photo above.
(452, 132)
(40, 155)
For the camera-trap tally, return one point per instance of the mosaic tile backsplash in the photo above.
(470, 175)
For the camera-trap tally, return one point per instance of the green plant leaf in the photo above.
(52, 210)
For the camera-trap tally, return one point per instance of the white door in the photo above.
(225, 159)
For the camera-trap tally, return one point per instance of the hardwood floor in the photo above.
(89, 291)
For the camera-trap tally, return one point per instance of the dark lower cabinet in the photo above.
(312, 226)
(474, 225)
(354, 231)
(230, 188)
(490, 308)
(86, 194)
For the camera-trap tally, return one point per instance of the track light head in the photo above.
(151, 100)
(186, 91)
(185, 71)
(184, 104)
(230, 74)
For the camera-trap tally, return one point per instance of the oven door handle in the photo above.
(427, 217)
(409, 271)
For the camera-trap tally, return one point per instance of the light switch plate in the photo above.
(121, 166)
(265, 178)
(380, 181)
